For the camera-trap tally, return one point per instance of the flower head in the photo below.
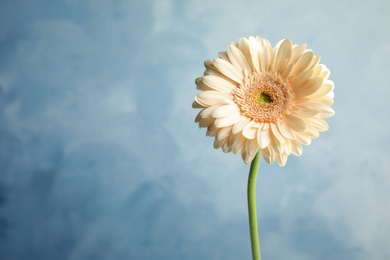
(256, 97)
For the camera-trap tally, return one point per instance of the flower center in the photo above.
(264, 97)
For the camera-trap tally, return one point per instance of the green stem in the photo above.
(252, 207)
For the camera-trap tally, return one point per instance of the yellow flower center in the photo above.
(264, 97)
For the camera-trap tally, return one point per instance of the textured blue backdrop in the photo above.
(100, 157)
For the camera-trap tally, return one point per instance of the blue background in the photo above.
(100, 157)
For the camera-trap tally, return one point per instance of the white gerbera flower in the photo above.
(258, 98)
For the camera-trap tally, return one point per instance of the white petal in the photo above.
(319, 123)
(308, 88)
(273, 55)
(325, 100)
(254, 44)
(314, 61)
(325, 110)
(302, 79)
(295, 123)
(283, 53)
(325, 72)
(209, 65)
(217, 144)
(240, 148)
(212, 130)
(223, 55)
(224, 111)
(264, 56)
(271, 153)
(237, 58)
(304, 111)
(251, 149)
(198, 117)
(239, 126)
(303, 139)
(281, 159)
(249, 131)
(211, 98)
(263, 138)
(236, 142)
(311, 131)
(244, 46)
(227, 121)
(254, 51)
(207, 112)
(224, 132)
(302, 63)
(286, 147)
(200, 84)
(285, 130)
(261, 126)
(263, 42)
(276, 133)
(300, 101)
(224, 146)
(318, 69)
(274, 143)
(205, 122)
(228, 70)
(266, 155)
(326, 88)
(280, 66)
(196, 104)
(296, 148)
(330, 94)
(218, 83)
(297, 52)
(286, 72)
(244, 156)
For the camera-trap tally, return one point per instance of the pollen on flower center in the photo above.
(264, 97)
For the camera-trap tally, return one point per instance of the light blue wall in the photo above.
(100, 157)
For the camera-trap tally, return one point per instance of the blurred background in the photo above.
(100, 157)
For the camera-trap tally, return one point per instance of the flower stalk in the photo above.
(252, 207)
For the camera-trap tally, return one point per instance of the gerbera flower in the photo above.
(256, 97)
